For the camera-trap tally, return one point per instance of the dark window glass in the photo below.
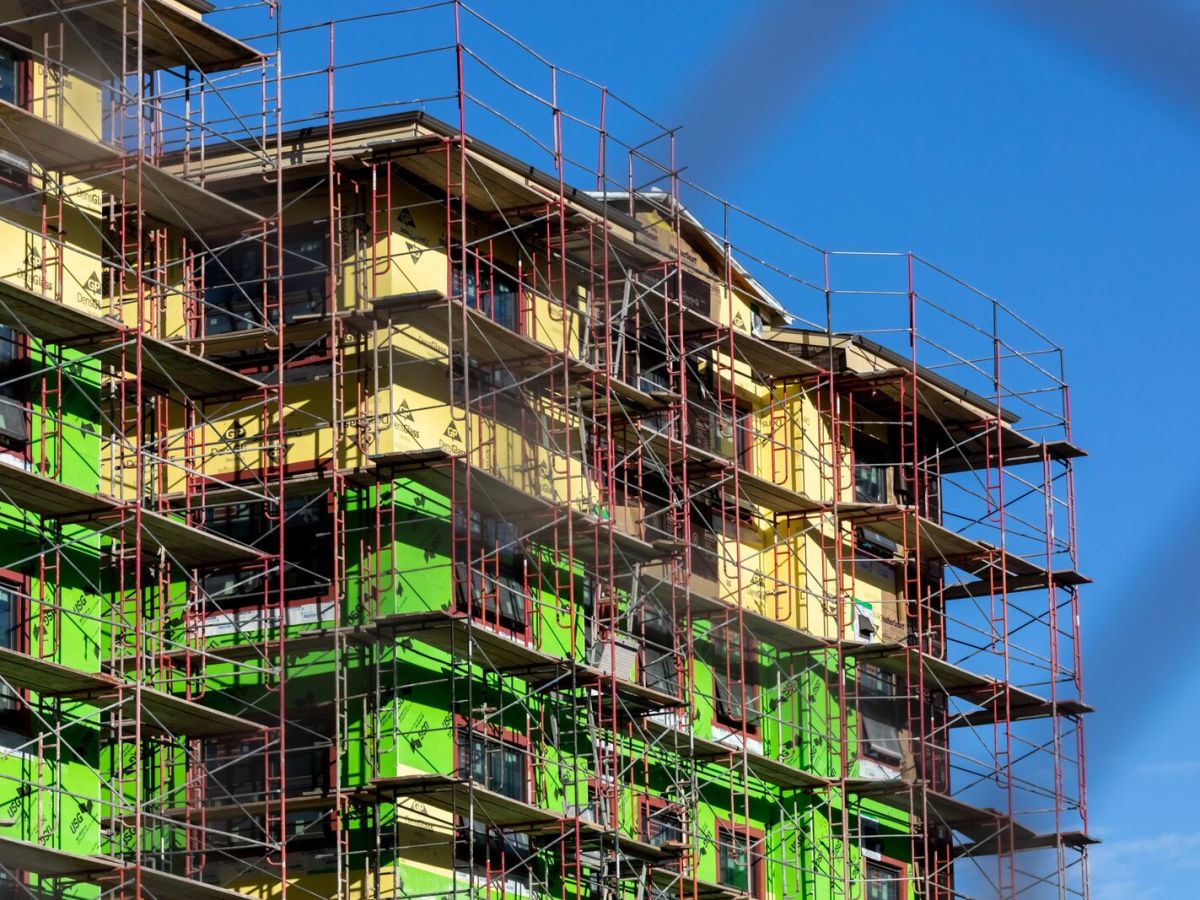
(880, 714)
(494, 763)
(13, 887)
(307, 555)
(738, 863)
(870, 483)
(14, 68)
(497, 766)
(234, 298)
(11, 606)
(236, 773)
(661, 825)
(497, 575)
(16, 724)
(871, 464)
(489, 290)
(10, 76)
(883, 881)
(736, 680)
(659, 666)
(236, 767)
(14, 391)
(10, 623)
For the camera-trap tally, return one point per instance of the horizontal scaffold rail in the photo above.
(164, 196)
(902, 525)
(38, 859)
(722, 609)
(1000, 702)
(694, 888)
(165, 367)
(452, 633)
(674, 738)
(470, 799)
(769, 361)
(980, 439)
(546, 519)
(990, 831)
(159, 711)
(490, 343)
(185, 544)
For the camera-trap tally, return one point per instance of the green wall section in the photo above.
(50, 760)
(405, 700)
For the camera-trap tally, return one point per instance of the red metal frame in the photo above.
(614, 467)
(753, 838)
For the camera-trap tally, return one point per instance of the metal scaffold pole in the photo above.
(412, 498)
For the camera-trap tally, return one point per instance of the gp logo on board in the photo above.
(401, 418)
(407, 423)
(451, 439)
(235, 435)
(90, 295)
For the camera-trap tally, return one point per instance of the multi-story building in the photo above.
(389, 517)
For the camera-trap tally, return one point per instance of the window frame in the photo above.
(494, 839)
(482, 277)
(498, 734)
(255, 317)
(293, 596)
(18, 719)
(895, 866)
(747, 673)
(21, 46)
(514, 570)
(868, 746)
(18, 371)
(231, 745)
(879, 492)
(648, 807)
(726, 831)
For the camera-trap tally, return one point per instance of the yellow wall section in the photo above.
(30, 261)
(405, 407)
(414, 414)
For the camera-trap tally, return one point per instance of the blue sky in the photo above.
(1060, 185)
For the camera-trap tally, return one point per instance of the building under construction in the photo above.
(411, 486)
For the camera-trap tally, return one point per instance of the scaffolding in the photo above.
(442, 496)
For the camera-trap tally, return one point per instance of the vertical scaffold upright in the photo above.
(413, 486)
